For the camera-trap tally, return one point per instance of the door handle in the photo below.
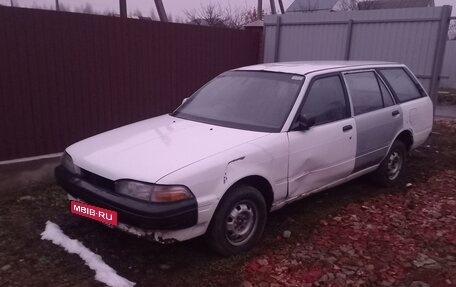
(395, 113)
(347, 128)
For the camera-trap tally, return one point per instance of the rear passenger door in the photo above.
(377, 118)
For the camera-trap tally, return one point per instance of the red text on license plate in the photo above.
(100, 214)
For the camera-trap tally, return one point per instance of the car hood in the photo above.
(153, 148)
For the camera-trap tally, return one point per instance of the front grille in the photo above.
(98, 180)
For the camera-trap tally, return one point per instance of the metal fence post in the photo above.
(277, 39)
(260, 9)
(282, 9)
(161, 11)
(123, 8)
(348, 39)
(273, 8)
(439, 52)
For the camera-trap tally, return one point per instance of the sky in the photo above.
(176, 8)
(173, 7)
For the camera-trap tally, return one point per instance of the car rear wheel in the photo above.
(238, 222)
(390, 171)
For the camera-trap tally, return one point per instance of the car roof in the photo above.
(306, 67)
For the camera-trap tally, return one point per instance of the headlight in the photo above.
(153, 192)
(67, 163)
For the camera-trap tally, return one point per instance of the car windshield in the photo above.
(252, 100)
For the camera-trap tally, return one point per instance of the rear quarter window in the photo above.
(402, 85)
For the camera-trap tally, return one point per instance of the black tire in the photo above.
(249, 203)
(386, 175)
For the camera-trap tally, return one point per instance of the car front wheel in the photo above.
(238, 222)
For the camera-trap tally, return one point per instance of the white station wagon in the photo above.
(249, 142)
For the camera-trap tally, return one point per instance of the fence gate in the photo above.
(413, 36)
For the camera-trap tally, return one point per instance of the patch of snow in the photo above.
(25, 198)
(103, 272)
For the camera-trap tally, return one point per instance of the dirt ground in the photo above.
(353, 235)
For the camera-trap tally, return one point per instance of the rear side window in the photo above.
(326, 101)
(403, 86)
(387, 99)
(364, 92)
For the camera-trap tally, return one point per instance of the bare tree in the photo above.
(215, 15)
(348, 5)
(110, 12)
(88, 9)
(209, 15)
(179, 19)
(64, 7)
(176, 18)
(238, 18)
(170, 17)
(372, 4)
(452, 30)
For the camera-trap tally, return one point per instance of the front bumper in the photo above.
(137, 213)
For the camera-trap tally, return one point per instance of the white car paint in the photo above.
(209, 159)
(418, 116)
(266, 157)
(151, 149)
(320, 155)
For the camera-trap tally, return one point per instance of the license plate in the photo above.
(93, 212)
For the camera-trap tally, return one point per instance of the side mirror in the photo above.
(184, 100)
(304, 123)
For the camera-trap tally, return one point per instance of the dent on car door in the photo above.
(378, 119)
(325, 152)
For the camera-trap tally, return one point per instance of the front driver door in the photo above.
(325, 152)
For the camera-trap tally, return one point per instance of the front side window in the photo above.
(364, 92)
(252, 100)
(326, 101)
(403, 86)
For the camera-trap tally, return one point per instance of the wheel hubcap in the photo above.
(394, 165)
(241, 222)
